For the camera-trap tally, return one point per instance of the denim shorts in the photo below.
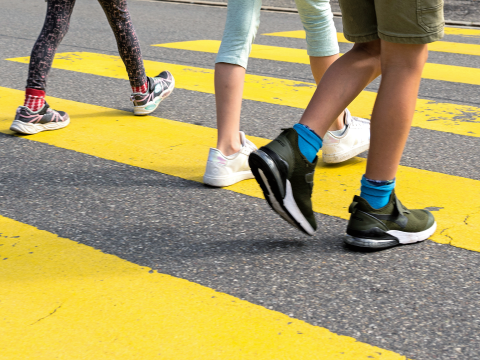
(397, 21)
(243, 19)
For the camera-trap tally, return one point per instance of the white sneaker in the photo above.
(354, 140)
(227, 170)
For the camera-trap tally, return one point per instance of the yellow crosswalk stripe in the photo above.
(453, 118)
(439, 46)
(64, 300)
(465, 32)
(165, 147)
(457, 74)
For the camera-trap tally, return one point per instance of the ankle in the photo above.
(339, 123)
(309, 142)
(34, 99)
(140, 89)
(230, 148)
(377, 193)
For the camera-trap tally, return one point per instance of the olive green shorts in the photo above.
(397, 21)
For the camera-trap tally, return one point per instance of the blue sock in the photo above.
(376, 192)
(308, 142)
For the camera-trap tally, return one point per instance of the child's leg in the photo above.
(402, 66)
(55, 27)
(321, 36)
(35, 115)
(228, 163)
(147, 93)
(341, 84)
(243, 19)
(229, 79)
(127, 42)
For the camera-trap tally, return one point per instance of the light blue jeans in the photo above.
(243, 19)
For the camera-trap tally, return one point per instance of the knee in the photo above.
(407, 56)
(318, 21)
(371, 48)
(58, 26)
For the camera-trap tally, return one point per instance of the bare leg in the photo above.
(319, 65)
(229, 80)
(341, 84)
(402, 67)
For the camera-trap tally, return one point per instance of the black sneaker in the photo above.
(159, 88)
(286, 178)
(32, 122)
(388, 226)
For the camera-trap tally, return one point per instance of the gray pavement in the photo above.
(420, 301)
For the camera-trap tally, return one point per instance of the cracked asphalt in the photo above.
(421, 301)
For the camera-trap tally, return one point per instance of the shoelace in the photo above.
(150, 95)
(359, 122)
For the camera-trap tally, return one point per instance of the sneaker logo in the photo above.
(400, 220)
(220, 160)
(158, 88)
(281, 143)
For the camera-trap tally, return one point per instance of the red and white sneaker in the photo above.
(32, 122)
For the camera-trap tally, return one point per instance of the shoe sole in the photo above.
(338, 158)
(227, 180)
(30, 129)
(401, 238)
(141, 110)
(269, 179)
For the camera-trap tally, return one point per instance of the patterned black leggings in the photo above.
(56, 26)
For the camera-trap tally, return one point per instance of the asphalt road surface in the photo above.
(112, 190)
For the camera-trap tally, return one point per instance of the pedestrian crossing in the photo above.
(451, 73)
(150, 298)
(432, 115)
(108, 308)
(115, 135)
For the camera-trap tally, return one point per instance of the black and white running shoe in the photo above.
(286, 178)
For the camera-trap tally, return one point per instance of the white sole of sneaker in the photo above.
(222, 181)
(30, 129)
(410, 238)
(340, 157)
(290, 204)
(142, 110)
(401, 238)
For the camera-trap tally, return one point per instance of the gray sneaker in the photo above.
(388, 226)
(159, 88)
(286, 178)
(31, 122)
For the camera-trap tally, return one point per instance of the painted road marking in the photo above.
(451, 73)
(432, 115)
(61, 299)
(466, 32)
(115, 135)
(438, 46)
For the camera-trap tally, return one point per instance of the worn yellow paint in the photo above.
(466, 32)
(265, 52)
(457, 119)
(439, 46)
(440, 72)
(64, 300)
(120, 136)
